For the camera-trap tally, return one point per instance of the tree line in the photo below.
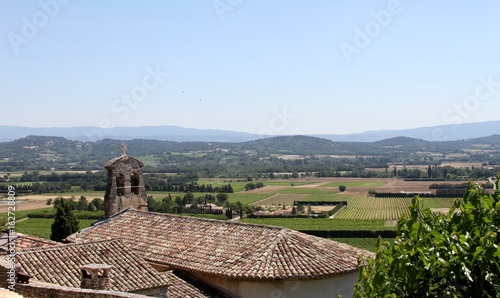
(34, 182)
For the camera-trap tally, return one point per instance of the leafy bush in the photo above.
(437, 255)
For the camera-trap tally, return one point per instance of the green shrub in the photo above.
(436, 255)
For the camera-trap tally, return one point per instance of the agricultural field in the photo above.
(149, 160)
(362, 207)
(24, 213)
(191, 154)
(324, 197)
(236, 185)
(323, 224)
(442, 202)
(246, 198)
(281, 199)
(288, 182)
(462, 165)
(289, 156)
(357, 184)
(359, 207)
(41, 227)
(36, 201)
(239, 185)
(305, 190)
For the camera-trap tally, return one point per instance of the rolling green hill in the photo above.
(274, 154)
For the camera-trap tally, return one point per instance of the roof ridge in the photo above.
(36, 238)
(274, 252)
(65, 246)
(229, 222)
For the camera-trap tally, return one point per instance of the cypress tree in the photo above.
(65, 222)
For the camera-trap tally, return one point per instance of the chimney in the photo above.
(95, 276)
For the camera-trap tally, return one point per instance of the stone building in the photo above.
(238, 259)
(125, 186)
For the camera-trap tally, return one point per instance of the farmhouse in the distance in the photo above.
(210, 258)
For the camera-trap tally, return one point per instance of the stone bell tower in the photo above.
(125, 184)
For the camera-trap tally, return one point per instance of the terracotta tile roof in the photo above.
(224, 248)
(61, 265)
(24, 241)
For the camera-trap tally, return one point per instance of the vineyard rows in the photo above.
(366, 207)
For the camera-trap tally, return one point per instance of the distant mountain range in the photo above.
(163, 133)
(449, 132)
(182, 134)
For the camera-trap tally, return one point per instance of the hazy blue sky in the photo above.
(275, 67)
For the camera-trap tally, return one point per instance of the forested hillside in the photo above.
(401, 156)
